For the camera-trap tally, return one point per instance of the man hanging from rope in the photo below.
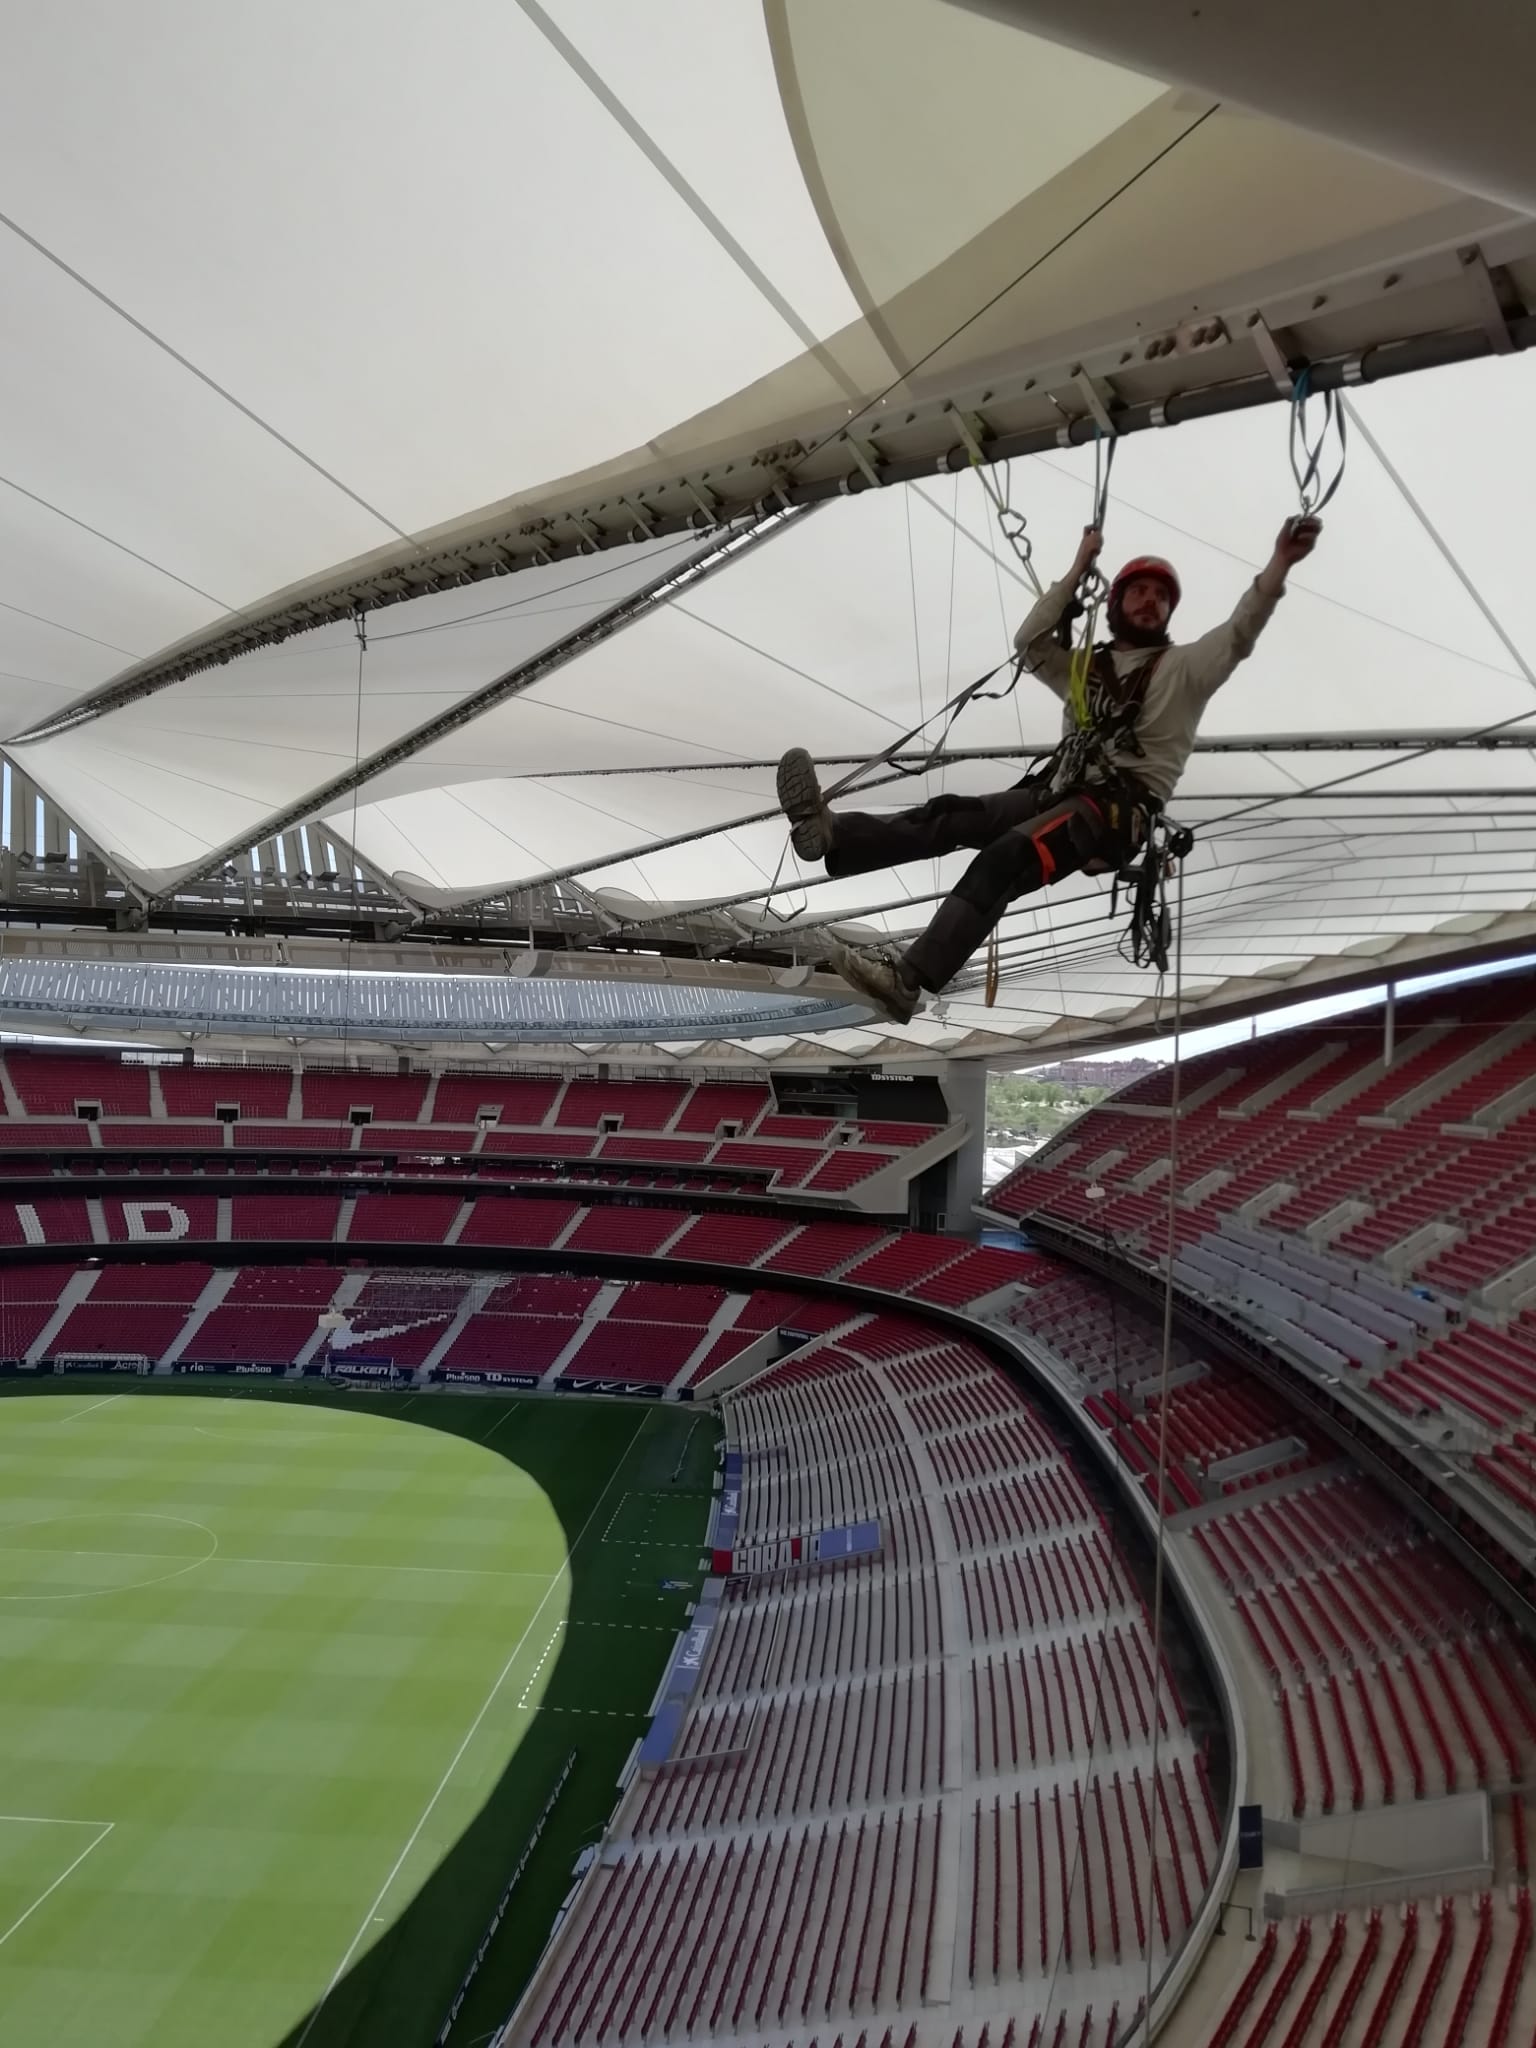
(1132, 711)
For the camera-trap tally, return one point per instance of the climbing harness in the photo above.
(1151, 843)
(1106, 710)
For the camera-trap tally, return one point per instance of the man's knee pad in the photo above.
(1011, 866)
(1060, 841)
(1089, 825)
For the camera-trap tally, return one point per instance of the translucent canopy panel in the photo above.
(304, 335)
(288, 321)
(165, 779)
(860, 623)
(324, 216)
(1454, 103)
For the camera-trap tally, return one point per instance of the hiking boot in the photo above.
(800, 799)
(880, 979)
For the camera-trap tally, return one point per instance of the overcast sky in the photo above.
(1293, 1014)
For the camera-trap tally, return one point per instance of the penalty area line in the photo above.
(105, 1828)
(105, 1402)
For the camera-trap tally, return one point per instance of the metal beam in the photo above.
(827, 465)
(1443, 739)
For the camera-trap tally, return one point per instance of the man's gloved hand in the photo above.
(1088, 550)
(1298, 537)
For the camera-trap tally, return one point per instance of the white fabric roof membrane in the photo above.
(283, 297)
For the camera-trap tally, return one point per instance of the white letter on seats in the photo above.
(141, 1231)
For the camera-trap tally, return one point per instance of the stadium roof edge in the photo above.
(949, 435)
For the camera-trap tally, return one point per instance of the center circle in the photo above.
(88, 1556)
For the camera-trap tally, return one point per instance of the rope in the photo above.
(1160, 1544)
(949, 712)
(360, 626)
(994, 968)
(1092, 587)
(1092, 590)
(1043, 911)
(951, 709)
(1308, 452)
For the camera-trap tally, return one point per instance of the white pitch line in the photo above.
(613, 1518)
(507, 1413)
(469, 1735)
(533, 1676)
(304, 1564)
(106, 1829)
(104, 1402)
(54, 1820)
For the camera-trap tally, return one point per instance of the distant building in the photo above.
(1095, 1073)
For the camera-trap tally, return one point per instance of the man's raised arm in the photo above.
(1214, 656)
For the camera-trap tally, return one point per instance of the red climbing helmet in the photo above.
(1148, 565)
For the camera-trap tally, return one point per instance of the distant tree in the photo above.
(1030, 1106)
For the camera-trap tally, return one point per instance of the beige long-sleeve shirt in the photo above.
(1185, 680)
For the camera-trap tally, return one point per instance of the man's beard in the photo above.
(1137, 636)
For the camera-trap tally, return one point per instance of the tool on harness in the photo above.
(1150, 932)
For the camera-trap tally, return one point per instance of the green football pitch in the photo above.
(286, 1678)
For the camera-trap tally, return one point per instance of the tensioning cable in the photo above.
(1092, 590)
(360, 627)
(1160, 1501)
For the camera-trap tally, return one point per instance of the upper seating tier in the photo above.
(1328, 1132)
